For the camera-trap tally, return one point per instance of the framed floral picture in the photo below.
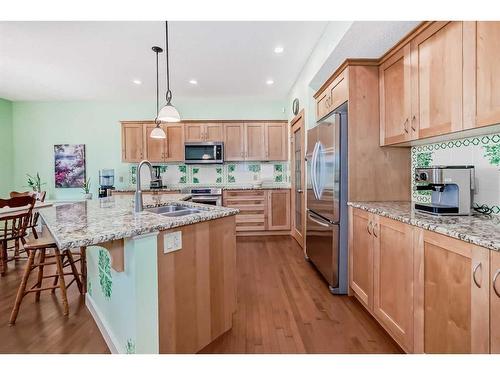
(69, 161)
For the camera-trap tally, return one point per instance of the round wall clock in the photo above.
(295, 106)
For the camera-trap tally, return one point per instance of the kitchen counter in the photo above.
(97, 221)
(230, 187)
(481, 230)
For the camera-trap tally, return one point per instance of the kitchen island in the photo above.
(158, 281)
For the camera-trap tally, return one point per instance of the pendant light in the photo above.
(168, 113)
(157, 132)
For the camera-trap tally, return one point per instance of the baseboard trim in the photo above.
(107, 336)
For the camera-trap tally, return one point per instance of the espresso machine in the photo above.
(452, 189)
(106, 182)
(156, 181)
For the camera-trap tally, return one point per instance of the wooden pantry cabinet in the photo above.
(261, 211)
(255, 141)
(432, 293)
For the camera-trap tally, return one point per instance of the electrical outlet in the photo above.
(120, 178)
(172, 242)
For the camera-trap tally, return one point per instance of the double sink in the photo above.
(173, 210)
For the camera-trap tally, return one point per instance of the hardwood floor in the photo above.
(41, 327)
(283, 307)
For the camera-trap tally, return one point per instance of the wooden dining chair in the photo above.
(14, 226)
(40, 197)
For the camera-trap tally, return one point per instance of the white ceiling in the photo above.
(98, 60)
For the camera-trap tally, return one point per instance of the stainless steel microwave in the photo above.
(204, 152)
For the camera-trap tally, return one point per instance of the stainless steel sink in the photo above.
(173, 211)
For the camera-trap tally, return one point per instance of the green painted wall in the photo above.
(6, 149)
(37, 126)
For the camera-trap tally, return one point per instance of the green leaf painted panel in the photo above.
(105, 278)
(492, 153)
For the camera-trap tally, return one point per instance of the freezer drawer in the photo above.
(322, 246)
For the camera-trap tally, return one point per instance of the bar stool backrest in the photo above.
(14, 226)
(38, 196)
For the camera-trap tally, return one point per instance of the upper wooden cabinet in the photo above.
(255, 141)
(395, 98)
(333, 96)
(132, 142)
(437, 77)
(234, 141)
(208, 132)
(155, 148)
(174, 142)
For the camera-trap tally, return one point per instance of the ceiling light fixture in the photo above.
(137, 81)
(157, 132)
(193, 81)
(269, 82)
(168, 113)
(278, 50)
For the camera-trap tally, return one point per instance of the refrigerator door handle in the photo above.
(317, 221)
(313, 171)
(321, 221)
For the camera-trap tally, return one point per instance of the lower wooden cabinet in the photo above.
(431, 292)
(361, 256)
(261, 211)
(495, 302)
(393, 278)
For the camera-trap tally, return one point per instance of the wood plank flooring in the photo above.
(283, 307)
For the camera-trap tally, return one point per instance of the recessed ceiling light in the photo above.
(278, 49)
(269, 82)
(137, 81)
(193, 81)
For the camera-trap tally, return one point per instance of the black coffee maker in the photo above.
(106, 182)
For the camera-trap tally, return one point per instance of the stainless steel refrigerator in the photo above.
(326, 227)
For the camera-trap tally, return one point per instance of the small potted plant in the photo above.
(35, 183)
(86, 189)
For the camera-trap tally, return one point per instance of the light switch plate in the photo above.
(172, 242)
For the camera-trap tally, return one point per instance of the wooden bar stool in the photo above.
(48, 254)
(14, 226)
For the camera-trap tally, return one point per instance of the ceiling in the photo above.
(45, 61)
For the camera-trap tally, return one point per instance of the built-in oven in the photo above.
(204, 152)
(211, 196)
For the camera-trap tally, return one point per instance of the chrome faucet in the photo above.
(138, 206)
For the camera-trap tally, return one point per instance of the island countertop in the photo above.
(481, 230)
(97, 221)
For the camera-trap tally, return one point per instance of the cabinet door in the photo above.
(437, 77)
(234, 142)
(395, 98)
(213, 132)
(455, 303)
(393, 279)
(276, 141)
(155, 148)
(132, 143)
(278, 209)
(255, 144)
(361, 256)
(194, 132)
(174, 142)
(495, 302)
(487, 72)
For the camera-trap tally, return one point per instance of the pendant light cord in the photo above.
(168, 95)
(157, 90)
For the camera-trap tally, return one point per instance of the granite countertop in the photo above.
(226, 187)
(481, 230)
(96, 221)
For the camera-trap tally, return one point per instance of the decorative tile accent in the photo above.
(483, 152)
(105, 278)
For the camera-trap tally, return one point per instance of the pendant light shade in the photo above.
(168, 113)
(157, 132)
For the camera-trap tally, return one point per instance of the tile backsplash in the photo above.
(483, 152)
(237, 173)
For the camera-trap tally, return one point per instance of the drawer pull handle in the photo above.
(374, 232)
(474, 274)
(368, 227)
(494, 283)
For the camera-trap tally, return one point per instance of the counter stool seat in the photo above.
(48, 254)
